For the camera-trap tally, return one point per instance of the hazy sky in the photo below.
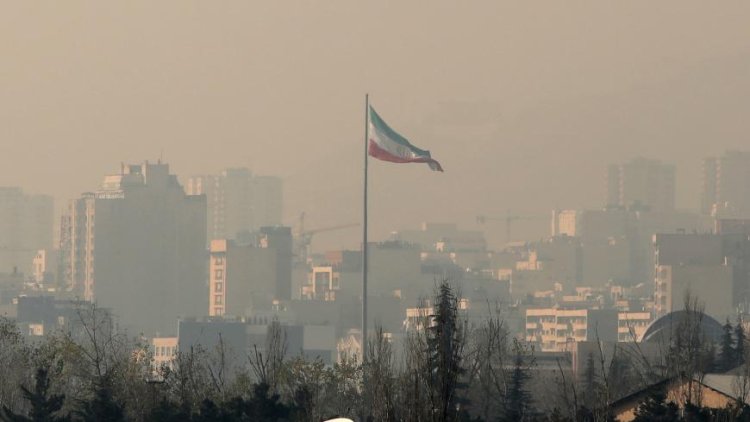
(524, 103)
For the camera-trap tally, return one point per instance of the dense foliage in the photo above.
(448, 369)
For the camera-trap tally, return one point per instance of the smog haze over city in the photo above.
(556, 216)
(525, 104)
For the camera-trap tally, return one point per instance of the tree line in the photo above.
(447, 369)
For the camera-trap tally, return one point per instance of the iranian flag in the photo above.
(387, 145)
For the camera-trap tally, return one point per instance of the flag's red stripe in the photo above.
(381, 154)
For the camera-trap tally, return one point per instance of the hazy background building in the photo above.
(238, 201)
(242, 278)
(279, 240)
(713, 268)
(726, 185)
(26, 223)
(137, 245)
(642, 184)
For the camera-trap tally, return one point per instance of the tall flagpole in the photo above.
(364, 234)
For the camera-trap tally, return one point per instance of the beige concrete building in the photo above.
(713, 391)
(165, 352)
(554, 329)
(323, 283)
(137, 246)
(632, 325)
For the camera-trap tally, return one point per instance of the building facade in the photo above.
(137, 246)
(726, 185)
(238, 201)
(242, 278)
(555, 329)
(26, 225)
(643, 184)
(713, 268)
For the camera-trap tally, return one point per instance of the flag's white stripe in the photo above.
(388, 144)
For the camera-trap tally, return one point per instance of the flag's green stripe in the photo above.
(386, 130)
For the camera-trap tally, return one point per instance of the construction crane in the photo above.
(509, 219)
(303, 237)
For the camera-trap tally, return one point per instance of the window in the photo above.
(219, 311)
(219, 287)
(219, 274)
(218, 300)
(218, 260)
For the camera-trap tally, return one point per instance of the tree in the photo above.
(267, 366)
(102, 407)
(445, 343)
(264, 406)
(740, 339)
(727, 355)
(379, 373)
(690, 354)
(656, 409)
(43, 405)
(167, 411)
(15, 364)
(486, 363)
(518, 399)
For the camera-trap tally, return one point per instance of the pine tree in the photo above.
(43, 405)
(727, 355)
(518, 398)
(445, 342)
(739, 349)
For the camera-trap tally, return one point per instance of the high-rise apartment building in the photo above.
(137, 246)
(25, 227)
(279, 239)
(642, 184)
(242, 278)
(726, 185)
(714, 268)
(246, 277)
(238, 201)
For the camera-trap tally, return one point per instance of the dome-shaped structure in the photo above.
(663, 329)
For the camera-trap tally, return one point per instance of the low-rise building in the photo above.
(165, 352)
(553, 329)
(632, 325)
